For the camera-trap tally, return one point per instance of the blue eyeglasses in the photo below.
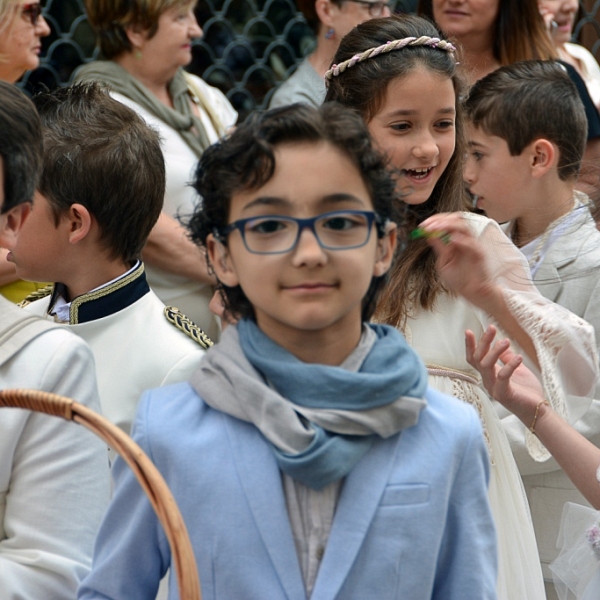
(276, 234)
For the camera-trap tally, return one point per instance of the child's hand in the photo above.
(461, 260)
(513, 384)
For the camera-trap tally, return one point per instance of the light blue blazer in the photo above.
(412, 522)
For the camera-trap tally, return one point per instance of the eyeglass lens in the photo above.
(274, 234)
(32, 12)
(376, 9)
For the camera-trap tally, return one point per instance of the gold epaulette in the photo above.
(177, 318)
(37, 295)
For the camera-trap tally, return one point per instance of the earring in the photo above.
(330, 33)
(137, 54)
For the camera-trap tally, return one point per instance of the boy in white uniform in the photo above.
(527, 135)
(100, 193)
(54, 483)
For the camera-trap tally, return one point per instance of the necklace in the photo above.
(537, 252)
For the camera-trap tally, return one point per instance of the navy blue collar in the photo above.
(107, 300)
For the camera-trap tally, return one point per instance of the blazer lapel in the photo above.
(547, 279)
(261, 482)
(360, 497)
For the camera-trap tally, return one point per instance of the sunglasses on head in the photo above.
(32, 12)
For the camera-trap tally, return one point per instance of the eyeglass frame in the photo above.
(391, 5)
(33, 11)
(371, 216)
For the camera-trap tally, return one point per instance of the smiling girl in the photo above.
(402, 78)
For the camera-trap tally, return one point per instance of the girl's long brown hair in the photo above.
(413, 278)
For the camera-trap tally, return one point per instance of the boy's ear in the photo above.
(543, 156)
(386, 247)
(80, 222)
(11, 222)
(220, 260)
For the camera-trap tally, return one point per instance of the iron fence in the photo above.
(248, 47)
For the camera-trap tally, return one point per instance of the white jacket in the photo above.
(54, 477)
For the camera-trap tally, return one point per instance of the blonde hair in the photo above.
(110, 20)
(9, 10)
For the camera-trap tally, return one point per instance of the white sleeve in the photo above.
(565, 343)
(59, 481)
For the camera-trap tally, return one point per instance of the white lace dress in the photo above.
(576, 570)
(561, 340)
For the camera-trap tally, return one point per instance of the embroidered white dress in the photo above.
(560, 339)
(576, 570)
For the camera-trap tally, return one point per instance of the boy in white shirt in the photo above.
(54, 479)
(526, 135)
(100, 193)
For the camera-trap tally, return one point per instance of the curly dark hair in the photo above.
(246, 161)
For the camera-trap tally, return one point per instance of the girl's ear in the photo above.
(544, 156)
(220, 259)
(386, 247)
(79, 222)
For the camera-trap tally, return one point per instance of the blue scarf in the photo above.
(268, 386)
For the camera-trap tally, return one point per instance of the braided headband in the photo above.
(424, 40)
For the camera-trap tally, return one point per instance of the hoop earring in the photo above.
(330, 33)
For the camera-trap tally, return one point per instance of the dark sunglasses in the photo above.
(32, 12)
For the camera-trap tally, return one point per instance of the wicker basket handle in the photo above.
(146, 473)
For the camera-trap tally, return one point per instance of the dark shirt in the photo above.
(591, 112)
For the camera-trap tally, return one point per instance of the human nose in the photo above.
(425, 145)
(308, 250)
(385, 11)
(195, 29)
(469, 170)
(42, 29)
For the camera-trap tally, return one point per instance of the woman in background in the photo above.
(491, 33)
(330, 21)
(560, 15)
(144, 45)
(22, 27)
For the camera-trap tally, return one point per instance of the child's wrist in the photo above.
(538, 416)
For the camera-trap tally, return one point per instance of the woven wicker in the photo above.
(147, 474)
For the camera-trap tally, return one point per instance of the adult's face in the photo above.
(460, 18)
(350, 13)
(171, 46)
(20, 41)
(563, 13)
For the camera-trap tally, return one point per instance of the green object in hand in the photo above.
(419, 233)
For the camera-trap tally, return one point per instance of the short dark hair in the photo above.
(101, 154)
(246, 160)
(20, 146)
(530, 100)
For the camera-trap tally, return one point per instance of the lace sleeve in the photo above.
(565, 344)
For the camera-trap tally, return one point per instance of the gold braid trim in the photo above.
(37, 295)
(177, 318)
